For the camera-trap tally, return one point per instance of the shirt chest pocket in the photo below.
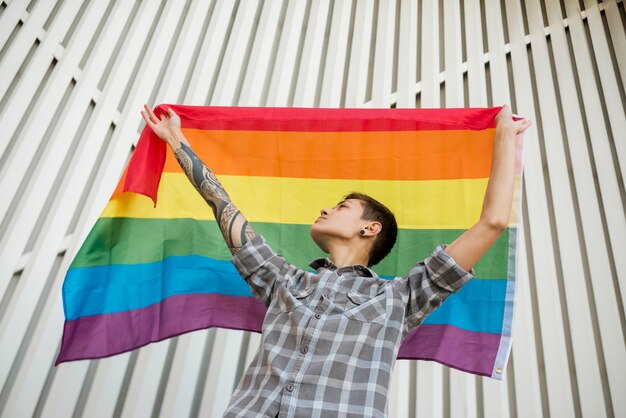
(288, 300)
(365, 308)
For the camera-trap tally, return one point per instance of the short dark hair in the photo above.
(373, 210)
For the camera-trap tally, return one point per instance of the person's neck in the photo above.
(348, 255)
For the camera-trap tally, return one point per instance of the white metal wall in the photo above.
(73, 77)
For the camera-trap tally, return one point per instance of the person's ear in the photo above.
(374, 228)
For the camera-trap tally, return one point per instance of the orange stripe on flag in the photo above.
(391, 155)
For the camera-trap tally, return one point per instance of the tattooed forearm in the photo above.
(210, 186)
(232, 223)
(183, 159)
(231, 219)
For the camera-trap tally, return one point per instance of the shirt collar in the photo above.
(357, 268)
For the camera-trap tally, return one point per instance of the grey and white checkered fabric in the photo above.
(330, 339)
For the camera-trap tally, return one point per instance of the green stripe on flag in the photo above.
(138, 241)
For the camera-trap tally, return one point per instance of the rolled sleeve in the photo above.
(261, 267)
(429, 283)
(252, 256)
(445, 272)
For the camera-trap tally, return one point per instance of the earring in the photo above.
(362, 232)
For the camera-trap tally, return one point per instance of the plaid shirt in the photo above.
(330, 339)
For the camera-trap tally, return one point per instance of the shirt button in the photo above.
(304, 349)
(326, 295)
(289, 387)
(318, 315)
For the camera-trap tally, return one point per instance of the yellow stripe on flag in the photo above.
(423, 204)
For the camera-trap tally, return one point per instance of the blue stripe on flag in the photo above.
(478, 306)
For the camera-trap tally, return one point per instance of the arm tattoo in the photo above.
(234, 226)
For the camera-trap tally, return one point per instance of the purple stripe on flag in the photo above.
(473, 352)
(98, 336)
(86, 337)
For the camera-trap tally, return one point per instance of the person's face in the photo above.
(343, 222)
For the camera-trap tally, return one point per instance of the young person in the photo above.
(330, 337)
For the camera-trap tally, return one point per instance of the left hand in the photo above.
(504, 120)
(166, 126)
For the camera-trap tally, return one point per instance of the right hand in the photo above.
(166, 127)
(504, 120)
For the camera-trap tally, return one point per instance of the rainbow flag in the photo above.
(153, 268)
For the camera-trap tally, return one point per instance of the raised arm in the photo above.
(473, 243)
(232, 223)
